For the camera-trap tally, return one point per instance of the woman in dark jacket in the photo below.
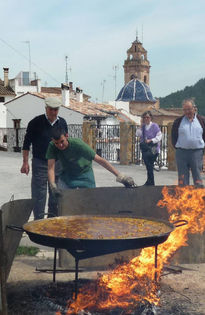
(150, 137)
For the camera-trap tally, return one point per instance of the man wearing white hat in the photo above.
(38, 133)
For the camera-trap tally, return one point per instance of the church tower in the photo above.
(136, 65)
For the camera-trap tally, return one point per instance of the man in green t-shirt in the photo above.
(76, 159)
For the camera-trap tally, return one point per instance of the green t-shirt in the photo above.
(76, 159)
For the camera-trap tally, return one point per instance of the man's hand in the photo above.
(55, 190)
(25, 168)
(126, 180)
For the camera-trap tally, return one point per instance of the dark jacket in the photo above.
(176, 124)
(39, 133)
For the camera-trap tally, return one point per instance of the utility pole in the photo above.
(103, 89)
(115, 68)
(66, 69)
(29, 57)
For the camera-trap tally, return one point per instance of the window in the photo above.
(2, 99)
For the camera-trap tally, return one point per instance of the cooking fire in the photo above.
(130, 283)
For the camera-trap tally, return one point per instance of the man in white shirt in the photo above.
(188, 137)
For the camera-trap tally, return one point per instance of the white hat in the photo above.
(53, 102)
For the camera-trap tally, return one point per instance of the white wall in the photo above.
(2, 116)
(3, 111)
(124, 108)
(28, 106)
(110, 121)
(22, 89)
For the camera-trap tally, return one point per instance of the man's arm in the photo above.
(51, 178)
(125, 180)
(104, 163)
(25, 167)
(51, 171)
(26, 147)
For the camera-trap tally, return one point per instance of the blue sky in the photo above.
(95, 35)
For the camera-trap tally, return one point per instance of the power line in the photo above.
(23, 56)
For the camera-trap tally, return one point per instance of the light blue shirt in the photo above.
(190, 134)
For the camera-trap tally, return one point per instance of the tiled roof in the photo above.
(93, 109)
(45, 94)
(175, 110)
(51, 90)
(57, 91)
(164, 112)
(5, 90)
(89, 109)
(158, 112)
(136, 91)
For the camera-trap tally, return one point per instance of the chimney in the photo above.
(38, 85)
(6, 77)
(65, 95)
(71, 86)
(79, 95)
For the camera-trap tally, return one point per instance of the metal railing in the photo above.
(75, 130)
(162, 158)
(108, 142)
(12, 139)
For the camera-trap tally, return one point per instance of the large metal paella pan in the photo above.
(94, 233)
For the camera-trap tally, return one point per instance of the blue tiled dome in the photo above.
(136, 91)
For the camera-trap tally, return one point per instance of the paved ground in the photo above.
(12, 182)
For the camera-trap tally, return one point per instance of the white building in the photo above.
(124, 108)
(10, 88)
(29, 105)
(22, 83)
(6, 94)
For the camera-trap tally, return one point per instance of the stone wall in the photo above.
(126, 142)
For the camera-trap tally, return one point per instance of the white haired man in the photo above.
(38, 134)
(188, 137)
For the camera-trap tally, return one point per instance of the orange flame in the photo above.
(129, 283)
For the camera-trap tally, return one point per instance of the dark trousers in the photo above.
(39, 186)
(189, 159)
(149, 163)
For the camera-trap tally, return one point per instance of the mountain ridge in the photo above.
(196, 91)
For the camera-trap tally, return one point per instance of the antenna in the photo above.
(142, 33)
(29, 57)
(66, 69)
(115, 68)
(136, 33)
(103, 89)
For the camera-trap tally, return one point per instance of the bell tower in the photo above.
(136, 65)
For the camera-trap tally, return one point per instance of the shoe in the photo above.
(148, 184)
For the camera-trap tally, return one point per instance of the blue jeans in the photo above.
(189, 159)
(39, 186)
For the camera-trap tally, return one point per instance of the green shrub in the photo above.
(27, 250)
